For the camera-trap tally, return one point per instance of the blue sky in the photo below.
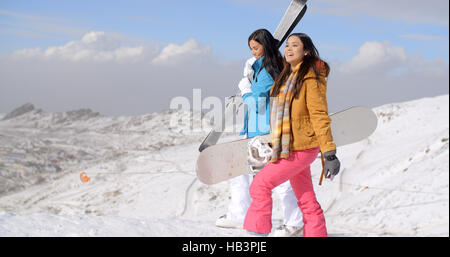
(380, 51)
(222, 24)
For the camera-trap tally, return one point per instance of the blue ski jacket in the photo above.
(257, 113)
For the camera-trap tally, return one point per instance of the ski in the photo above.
(293, 15)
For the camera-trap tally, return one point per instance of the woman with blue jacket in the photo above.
(259, 74)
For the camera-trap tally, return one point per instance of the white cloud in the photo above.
(28, 52)
(383, 58)
(175, 54)
(375, 54)
(100, 47)
(384, 73)
(96, 72)
(93, 46)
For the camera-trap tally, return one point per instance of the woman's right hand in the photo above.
(246, 82)
(245, 86)
(248, 71)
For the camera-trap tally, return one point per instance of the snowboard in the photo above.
(223, 161)
(292, 16)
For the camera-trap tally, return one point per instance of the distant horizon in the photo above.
(204, 112)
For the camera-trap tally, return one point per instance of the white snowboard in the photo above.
(220, 162)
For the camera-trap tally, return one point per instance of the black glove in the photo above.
(332, 164)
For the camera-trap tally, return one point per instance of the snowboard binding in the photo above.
(259, 154)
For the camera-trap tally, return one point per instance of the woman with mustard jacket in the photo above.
(262, 69)
(300, 128)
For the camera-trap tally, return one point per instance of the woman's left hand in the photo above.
(332, 164)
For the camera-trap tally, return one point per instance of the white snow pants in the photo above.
(240, 201)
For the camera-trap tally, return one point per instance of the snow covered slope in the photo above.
(36, 147)
(143, 183)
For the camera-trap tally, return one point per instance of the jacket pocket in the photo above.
(302, 126)
(306, 129)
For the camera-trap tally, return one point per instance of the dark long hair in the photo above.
(273, 60)
(310, 61)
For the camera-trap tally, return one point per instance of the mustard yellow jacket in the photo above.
(310, 122)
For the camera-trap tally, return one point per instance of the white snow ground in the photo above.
(395, 183)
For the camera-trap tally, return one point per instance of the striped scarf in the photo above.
(281, 118)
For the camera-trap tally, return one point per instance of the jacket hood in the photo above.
(322, 71)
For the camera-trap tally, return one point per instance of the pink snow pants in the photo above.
(296, 169)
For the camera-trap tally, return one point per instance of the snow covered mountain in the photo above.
(43, 146)
(142, 180)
